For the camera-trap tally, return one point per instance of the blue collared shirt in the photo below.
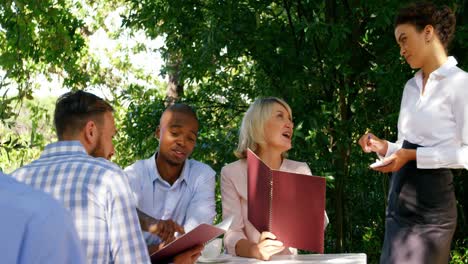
(97, 194)
(34, 227)
(189, 201)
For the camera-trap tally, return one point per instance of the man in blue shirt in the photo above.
(169, 185)
(35, 228)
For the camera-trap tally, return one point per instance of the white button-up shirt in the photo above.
(189, 201)
(436, 119)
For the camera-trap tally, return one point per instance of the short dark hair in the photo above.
(421, 14)
(182, 108)
(74, 109)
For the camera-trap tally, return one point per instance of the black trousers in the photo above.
(421, 215)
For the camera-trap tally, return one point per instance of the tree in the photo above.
(37, 37)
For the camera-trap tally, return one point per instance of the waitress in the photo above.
(432, 139)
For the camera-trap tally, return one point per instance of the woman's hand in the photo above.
(370, 143)
(397, 160)
(267, 246)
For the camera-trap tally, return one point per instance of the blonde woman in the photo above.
(267, 129)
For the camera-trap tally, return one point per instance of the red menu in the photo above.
(200, 235)
(290, 205)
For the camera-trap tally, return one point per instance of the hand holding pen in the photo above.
(370, 143)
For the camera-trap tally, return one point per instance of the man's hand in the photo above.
(155, 247)
(165, 229)
(189, 256)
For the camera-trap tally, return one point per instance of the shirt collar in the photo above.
(60, 148)
(443, 70)
(156, 176)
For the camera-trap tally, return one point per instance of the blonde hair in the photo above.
(251, 132)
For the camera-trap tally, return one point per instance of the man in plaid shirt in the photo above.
(94, 190)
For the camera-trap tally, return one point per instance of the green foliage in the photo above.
(137, 120)
(38, 37)
(460, 252)
(22, 139)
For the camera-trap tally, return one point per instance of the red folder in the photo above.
(290, 205)
(200, 235)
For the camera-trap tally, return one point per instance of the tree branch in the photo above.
(291, 25)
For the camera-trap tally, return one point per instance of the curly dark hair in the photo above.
(422, 14)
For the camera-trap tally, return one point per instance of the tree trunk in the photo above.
(175, 89)
(345, 154)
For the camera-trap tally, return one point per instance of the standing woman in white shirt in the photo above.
(432, 139)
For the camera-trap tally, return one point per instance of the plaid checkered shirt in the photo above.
(97, 194)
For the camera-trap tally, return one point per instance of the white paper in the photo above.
(226, 223)
(380, 163)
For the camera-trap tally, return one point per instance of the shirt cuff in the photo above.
(438, 157)
(391, 148)
(425, 159)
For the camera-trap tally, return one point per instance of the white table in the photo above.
(355, 258)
